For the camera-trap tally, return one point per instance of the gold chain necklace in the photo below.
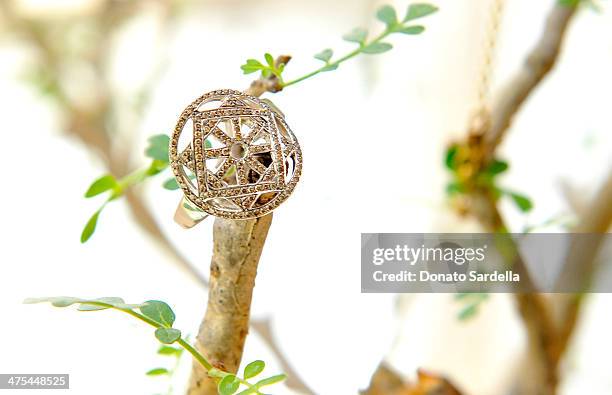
(480, 120)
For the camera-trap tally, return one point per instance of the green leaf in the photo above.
(419, 10)
(159, 312)
(90, 226)
(156, 167)
(497, 166)
(167, 350)
(468, 312)
(109, 300)
(271, 380)
(228, 385)
(158, 147)
(251, 66)
(254, 62)
(331, 67)
(451, 154)
(171, 184)
(417, 29)
(57, 301)
(357, 35)
(253, 369)
(246, 69)
(376, 48)
(387, 15)
(101, 185)
(167, 335)
(157, 372)
(522, 202)
(65, 301)
(454, 188)
(269, 59)
(325, 55)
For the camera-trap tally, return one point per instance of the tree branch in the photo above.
(541, 374)
(237, 249)
(539, 63)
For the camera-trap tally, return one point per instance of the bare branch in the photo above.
(539, 63)
(237, 248)
(545, 343)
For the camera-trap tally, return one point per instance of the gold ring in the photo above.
(234, 156)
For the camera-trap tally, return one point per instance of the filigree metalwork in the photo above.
(234, 156)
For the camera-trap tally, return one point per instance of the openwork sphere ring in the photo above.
(234, 156)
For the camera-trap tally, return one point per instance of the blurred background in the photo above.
(84, 83)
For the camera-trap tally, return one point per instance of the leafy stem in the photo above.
(115, 188)
(470, 175)
(159, 315)
(376, 45)
(329, 65)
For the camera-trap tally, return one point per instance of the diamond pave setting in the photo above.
(234, 156)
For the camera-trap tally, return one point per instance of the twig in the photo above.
(541, 374)
(539, 63)
(294, 380)
(581, 265)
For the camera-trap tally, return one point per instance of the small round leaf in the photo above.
(331, 67)
(167, 335)
(111, 300)
(158, 147)
(57, 301)
(417, 29)
(357, 35)
(157, 372)
(167, 350)
(253, 369)
(228, 385)
(325, 55)
(376, 48)
(171, 184)
(387, 15)
(159, 312)
(418, 11)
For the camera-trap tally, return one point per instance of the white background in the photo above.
(373, 135)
